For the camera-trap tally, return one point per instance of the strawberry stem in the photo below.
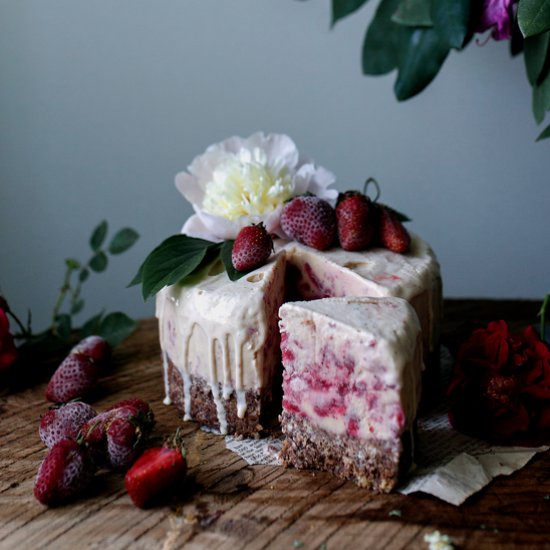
(542, 315)
(366, 187)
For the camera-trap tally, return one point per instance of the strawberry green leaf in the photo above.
(71, 263)
(225, 255)
(413, 13)
(545, 134)
(175, 258)
(99, 262)
(123, 240)
(116, 327)
(91, 326)
(422, 55)
(382, 40)
(533, 17)
(342, 8)
(98, 236)
(62, 326)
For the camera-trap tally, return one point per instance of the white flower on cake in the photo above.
(242, 181)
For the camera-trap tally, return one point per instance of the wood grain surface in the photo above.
(227, 504)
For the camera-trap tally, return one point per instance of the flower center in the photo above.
(245, 185)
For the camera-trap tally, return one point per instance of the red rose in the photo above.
(500, 386)
(8, 352)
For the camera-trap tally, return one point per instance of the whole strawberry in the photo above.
(63, 474)
(76, 376)
(310, 221)
(157, 474)
(392, 232)
(64, 422)
(251, 248)
(115, 437)
(355, 215)
(96, 348)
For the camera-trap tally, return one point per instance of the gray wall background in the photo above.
(102, 102)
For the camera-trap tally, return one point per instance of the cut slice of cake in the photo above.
(220, 345)
(351, 387)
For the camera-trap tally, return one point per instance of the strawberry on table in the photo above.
(63, 474)
(251, 248)
(157, 474)
(355, 215)
(95, 347)
(64, 422)
(310, 221)
(115, 437)
(76, 376)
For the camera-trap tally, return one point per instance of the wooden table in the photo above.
(228, 504)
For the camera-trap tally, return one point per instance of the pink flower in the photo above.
(498, 16)
(8, 352)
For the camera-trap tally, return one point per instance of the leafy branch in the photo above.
(414, 37)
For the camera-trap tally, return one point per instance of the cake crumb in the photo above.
(438, 541)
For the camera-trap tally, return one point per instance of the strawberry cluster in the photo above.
(357, 223)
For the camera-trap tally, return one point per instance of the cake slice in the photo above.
(221, 347)
(351, 387)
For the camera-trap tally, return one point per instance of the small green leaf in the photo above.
(123, 240)
(91, 326)
(138, 277)
(98, 236)
(342, 8)
(541, 99)
(225, 255)
(422, 55)
(77, 307)
(413, 13)
(545, 134)
(116, 327)
(71, 263)
(382, 40)
(63, 326)
(99, 262)
(174, 259)
(84, 274)
(537, 57)
(451, 20)
(533, 17)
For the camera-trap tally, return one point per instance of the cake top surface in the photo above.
(379, 317)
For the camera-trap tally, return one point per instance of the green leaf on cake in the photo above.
(225, 255)
(123, 240)
(382, 40)
(342, 8)
(545, 134)
(98, 236)
(451, 19)
(175, 258)
(413, 13)
(422, 55)
(533, 17)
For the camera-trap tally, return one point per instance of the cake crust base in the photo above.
(260, 407)
(376, 464)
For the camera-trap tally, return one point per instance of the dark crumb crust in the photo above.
(260, 407)
(375, 464)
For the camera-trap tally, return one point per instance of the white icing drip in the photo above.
(186, 395)
(166, 400)
(220, 408)
(241, 403)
